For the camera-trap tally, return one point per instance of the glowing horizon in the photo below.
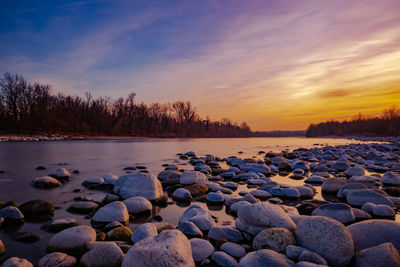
(278, 65)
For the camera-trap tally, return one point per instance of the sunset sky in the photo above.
(274, 64)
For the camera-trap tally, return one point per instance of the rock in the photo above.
(57, 259)
(289, 193)
(360, 197)
(93, 182)
(338, 211)
(305, 191)
(136, 205)
(223, 259)
(112, 225)
(327, 237)
(301, 165)
(161, 226)
(197, 190)
(25, 237)
(343, 191)
(237, 205)
(72, 240)
(361, 215)
(200, 217)
(83, 207)
(60, 174)
(261, 194)
(341, 165)
(310, 256)
(257, 168)
(11, 213)
(182, 195)
(36, 208)
(391, 179)
(109, 198)
(170, 248)
(190, 229)
(202, 168)
(192, 177)
(121, 233)
(262, 258)
(169, 177)
(383, 255)
(215, 198)
(381, 210)
(114, 211)
(332, 185)
(109, 179)
(201, 249)
(355, 171)
(233, 249)
(294, 252)
(144, 231)
(16, 262)
(60, 224)
(225, 232)
(264, 215)
(315, 179)
(368, 207)
(45, 182)
(104, 254)
(138, 184)
(374, 232)
(274, 238)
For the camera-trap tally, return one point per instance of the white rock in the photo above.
(170, 248)
(136, 205)
(114, 211)
(262, 215)
(138, 184)
(72, 240)
(199, 216)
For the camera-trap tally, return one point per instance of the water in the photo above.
(98, 157)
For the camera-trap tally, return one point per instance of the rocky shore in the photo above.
(276, 224)
(32, 138)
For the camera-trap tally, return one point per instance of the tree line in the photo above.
(386, 124)
(31, 108)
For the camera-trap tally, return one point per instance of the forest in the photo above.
(385, 124)
(31, 108)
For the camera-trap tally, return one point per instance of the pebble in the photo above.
(201, 249)
(223, 259)
(233, 249)
(57, 259)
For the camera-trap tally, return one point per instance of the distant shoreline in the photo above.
(57, 137)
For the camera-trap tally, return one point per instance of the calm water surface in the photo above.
(93, 158)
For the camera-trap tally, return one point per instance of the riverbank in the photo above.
(323, 204)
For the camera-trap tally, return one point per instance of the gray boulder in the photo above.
(383, 255)
(57, 259)
(104, 254)
(327, 237)
(201, 249)
(72, 240)
(138, 184)
(263, 258)
(274, 238)
(170, 248)
(338, 211)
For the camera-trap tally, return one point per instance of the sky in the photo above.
(276, 64)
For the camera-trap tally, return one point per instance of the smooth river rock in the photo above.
(327, 237)
(263, 258)
(57, 259)
(114, 211)
(104, 254)
(137, 205)
(383, 255)
(338, 211)
(360, 197)
(274, 238)
(201, 249)
(371, 233)
(199, 216)
(138, 184)
(170, 248)
(72, 240)
(192, 177)
(16, 262)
